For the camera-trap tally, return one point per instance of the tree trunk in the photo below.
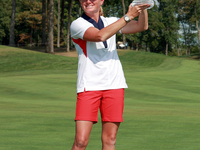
(31, 38)
(62, 20)
(12, 24)
(189, 37)
(58, 25)
(124, 11)
(178, 52)
(137, 46)
(184, 34)
(147, 47)
(51, 22)
(69, 23)
(189, 50)
(197, 25)
(189, 45)
(43, 22)
(166, 50)
(48, 26)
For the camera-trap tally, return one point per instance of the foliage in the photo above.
(5, 17)
(172, 24)
(187, 16)
(31, 18)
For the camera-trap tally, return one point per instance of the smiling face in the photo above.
(91, 6)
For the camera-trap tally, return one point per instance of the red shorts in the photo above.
(110, 103)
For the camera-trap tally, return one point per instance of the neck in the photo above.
(94, 16)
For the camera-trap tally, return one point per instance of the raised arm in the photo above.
(137, 26)
(95, 35)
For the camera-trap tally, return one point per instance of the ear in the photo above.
(102, 1)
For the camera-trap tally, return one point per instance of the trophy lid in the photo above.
(139, 2)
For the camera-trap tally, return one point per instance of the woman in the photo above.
(101, 82)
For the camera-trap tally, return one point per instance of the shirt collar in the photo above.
(98, 25)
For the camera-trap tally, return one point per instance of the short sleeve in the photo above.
(78, 28)
(109, 20)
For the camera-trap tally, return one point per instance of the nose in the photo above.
(88, 1)
(85, 0)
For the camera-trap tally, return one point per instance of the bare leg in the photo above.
(109, 133)
(83, 129)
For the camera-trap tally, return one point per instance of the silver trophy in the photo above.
(139, 2)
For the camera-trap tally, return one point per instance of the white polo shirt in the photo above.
(99, 67)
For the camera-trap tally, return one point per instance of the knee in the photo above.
(109, 140)
(81, 142)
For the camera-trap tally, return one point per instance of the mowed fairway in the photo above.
(38, 98)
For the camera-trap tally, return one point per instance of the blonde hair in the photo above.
(101, 11)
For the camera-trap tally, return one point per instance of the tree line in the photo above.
(173, 26)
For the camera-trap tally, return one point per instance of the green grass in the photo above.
(38, 97)
(17, 60)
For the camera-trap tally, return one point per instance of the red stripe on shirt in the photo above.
(82, 44)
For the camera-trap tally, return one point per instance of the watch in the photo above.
(127, 19)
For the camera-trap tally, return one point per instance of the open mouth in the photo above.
(89, 6)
